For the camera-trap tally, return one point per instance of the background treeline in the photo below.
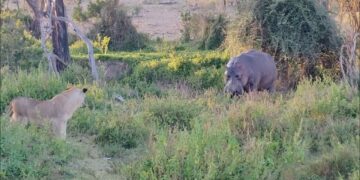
(301, 35)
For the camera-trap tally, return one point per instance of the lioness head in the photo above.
(74, 96)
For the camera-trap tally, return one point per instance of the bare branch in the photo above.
(87, 42)
(349, 63)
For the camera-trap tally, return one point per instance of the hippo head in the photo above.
(235, 78)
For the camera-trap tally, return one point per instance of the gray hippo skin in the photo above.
(251, 71)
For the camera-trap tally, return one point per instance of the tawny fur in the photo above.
(55, 112)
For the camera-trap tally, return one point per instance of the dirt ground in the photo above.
(157, 18)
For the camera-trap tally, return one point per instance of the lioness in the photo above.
(56, 111)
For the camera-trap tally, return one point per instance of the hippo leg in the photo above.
(254, 84)
(272, 88)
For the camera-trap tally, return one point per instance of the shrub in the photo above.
(120, 127)
(208, 152)
(201, 71)
(170, 112)
(209, 31)
(84, 121)
(185, 32)
(207, 78)
(340, 163)
(255, 118)
(102, 43)
(297, 28)
(76, 74)
(216, 33)
(79, 47)
(38, 85)
(114, 22)
(300, 35)
(30, 153)
(18, 47)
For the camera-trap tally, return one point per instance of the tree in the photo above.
(44, 10)
(60, 36)
(52, 20)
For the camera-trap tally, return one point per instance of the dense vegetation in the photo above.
(176, 122)
(193, 134)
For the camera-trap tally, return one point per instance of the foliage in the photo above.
(102, 43)
(76, 74)
(21, 83)
(174, 109)
(296, 28)
(203, 153)
(199, 69)
(125, 131)
(79, 47)
(208, 30)
(261, 137)
(191, 134)
(185, 33)
(30, 153)
(18, 47)
(113, 22)
(170, 113)
(215, 34)
(301, 35)
(78, 12)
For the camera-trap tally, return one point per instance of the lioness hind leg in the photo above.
(14, 117)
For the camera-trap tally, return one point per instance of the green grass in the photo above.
(179, 128)
(30, 153)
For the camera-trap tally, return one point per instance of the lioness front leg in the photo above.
(59, 129)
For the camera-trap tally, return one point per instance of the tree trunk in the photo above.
(44, 14)
(88, 43)
(60, 36)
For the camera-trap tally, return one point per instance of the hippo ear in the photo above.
(84, 90)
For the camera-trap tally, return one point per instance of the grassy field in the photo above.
(177, 124)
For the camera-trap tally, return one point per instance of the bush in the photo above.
(207, 78)
(30, 153)
(216, 33)
(205, 152)
(209, 31)
(38, 85)
(76, 74)
(170, 112)
(300, 35)
(79, 47)
(120, 127)
(297, 28)
(201, 71)
(340, 163)
(18, 47)
(84, 122)
(113, 22)
(272, 134)
(255, 118)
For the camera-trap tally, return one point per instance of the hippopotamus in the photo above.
(250, 71)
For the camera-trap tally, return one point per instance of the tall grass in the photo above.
(30, 153)
(260, 137)
(312, 132)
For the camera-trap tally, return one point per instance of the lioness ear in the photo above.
(84, 90)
